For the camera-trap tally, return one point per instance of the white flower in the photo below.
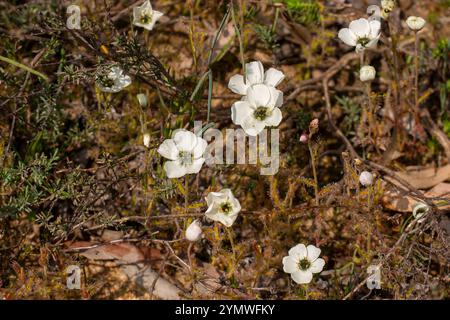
(420, 209)
(415, 23)
(194, 231)
(366, 178)
(113, 81)
(260, 108)
(254, 74)
(361, 34)
(142, 99)
(222, 207)
(145, 17)
(302, 262)
(367, 73)
(185, 151)
(146, 140)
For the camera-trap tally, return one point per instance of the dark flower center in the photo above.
(105, 81)
(226, 207)
(146, 18)
(304, 264)
(363, 41)
(261, 113)
(186, 158)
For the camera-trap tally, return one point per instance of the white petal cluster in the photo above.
(185, 152)
(222, 207)
(366, 178)
(259, 107)
(367, 73)
(302, 262)
(145, 17)
(361, 34)
(415, 23)
(194, 231)
(113, 81)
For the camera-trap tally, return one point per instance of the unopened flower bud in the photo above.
(143, 100)
(387, 6)
(366, 178)
(304, 138)
(314, 126)
(146, 140)
(367, 73)
(415, 23)
(194, 231)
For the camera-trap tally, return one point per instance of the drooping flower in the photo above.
(194, 231)
(415, 23)
(361, 34)
(366, 178)
(367, 73)
(222, 207)
(259, 109)
(254, 74)
(419, 210)
(185, 152)
(302, 262)
(112, 80)
(145, 17)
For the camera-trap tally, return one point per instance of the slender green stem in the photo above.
(230, 237)
(275, 21)
(24, 67)
(241, 44)
(416, 73)
(313, 164)
(186, 193)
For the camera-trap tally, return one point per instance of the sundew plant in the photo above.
(230, 149)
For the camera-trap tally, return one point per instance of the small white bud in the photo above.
(142, 98)
(366, 178)
(194, 231)
(367, 73)
(419, 211)
(415, 23)
(146, 139)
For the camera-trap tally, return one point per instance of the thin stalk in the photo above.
(313, 164)
(238, 33)
(186, 186)
(416, 73)
(24, 67)
(230, 237)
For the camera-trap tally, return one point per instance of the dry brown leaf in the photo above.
(424, 178)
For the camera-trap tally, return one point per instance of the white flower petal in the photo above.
(185, 140)
(274, 119)
(360, 27)
(302, 277)
(199, 148)
(196, 166)
(258, 95)
(276, 98)
(317, 266)
(174, 169)
(168, 149)
(273, 77)
(123, 81)
(290, 265)
(375, 27)
(298, 252)
(348, 37)
(372, 43)
(237, 85)
(252, 126)
(313, 252)
(254, 72)
(240, 111)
